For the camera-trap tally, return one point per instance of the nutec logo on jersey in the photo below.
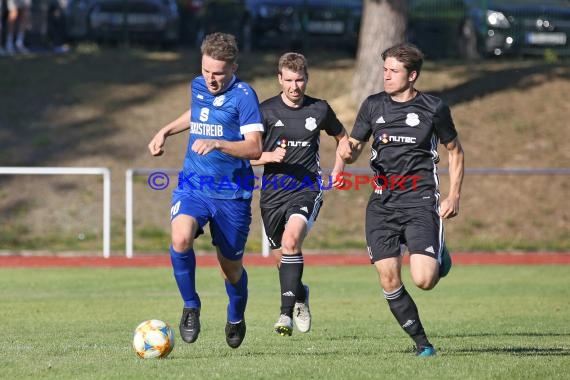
(385, 139)
(303, 144)
(412, 119)
(282, 143)
(311, 123)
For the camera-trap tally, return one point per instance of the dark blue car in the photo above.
(285, 23)
(311, 22)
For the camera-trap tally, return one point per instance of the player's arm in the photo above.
(182, 123)
(250, 148)
(275, 156)
(349, 149)
(339, 161)
(449, 207)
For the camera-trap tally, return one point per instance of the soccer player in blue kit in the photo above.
(216, 182)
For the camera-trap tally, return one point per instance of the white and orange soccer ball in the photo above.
(153, 339)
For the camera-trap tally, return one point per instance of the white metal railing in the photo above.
(23, 170)
(129, 202)
(129, 197)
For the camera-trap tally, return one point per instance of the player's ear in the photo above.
(234, 67)
(412, 76)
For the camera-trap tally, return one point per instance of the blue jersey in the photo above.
(225, 116)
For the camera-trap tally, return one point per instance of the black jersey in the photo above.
(404, 146)
(298, 131)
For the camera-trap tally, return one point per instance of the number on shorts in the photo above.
(174, 209)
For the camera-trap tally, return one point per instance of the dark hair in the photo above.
(408, 54)
(293, 61)
(220, 46)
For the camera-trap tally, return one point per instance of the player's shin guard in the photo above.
(290, 274)
(404, 309)
(184, 267)
(237, 294)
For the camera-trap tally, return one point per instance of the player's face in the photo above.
(217, 73)
(293, 86)
(396, 77)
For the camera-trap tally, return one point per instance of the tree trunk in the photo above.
(383, 25)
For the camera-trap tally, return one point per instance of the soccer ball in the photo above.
(153, 339)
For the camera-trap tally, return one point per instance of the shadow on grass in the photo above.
(522, 334)
(486, 81)
(508, 349)
(512, 350)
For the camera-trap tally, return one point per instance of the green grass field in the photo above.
(488, 322)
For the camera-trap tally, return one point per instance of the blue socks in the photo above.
(237, 294)
(184, 266)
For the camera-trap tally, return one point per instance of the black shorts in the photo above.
(305, 204)
(420, 228)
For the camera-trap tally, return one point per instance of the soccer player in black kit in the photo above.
(406, 126)
(292, 185)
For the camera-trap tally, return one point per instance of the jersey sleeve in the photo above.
(332, 124)
(362, 127)
(443, 124)
(250, 119)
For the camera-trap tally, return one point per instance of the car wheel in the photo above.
(468, 48)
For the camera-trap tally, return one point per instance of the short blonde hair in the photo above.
(295, 62)
(220, 46)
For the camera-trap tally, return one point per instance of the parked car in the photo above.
(228, 16)
(189, 11)
(285, 23)
(149, 20)
(332, 22)
(476, 28)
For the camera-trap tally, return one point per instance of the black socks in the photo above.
(290, 274)
(404, 309)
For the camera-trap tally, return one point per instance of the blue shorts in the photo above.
(229, 219)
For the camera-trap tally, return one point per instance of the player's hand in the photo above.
(205, 146)
(156, 145)
(278, 155)
(336, 179)
(449, 208)
(344, 150)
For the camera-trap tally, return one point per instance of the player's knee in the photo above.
(181, 242)
(290, 245)
(425, 282)
(390, 283)
(231, 270)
